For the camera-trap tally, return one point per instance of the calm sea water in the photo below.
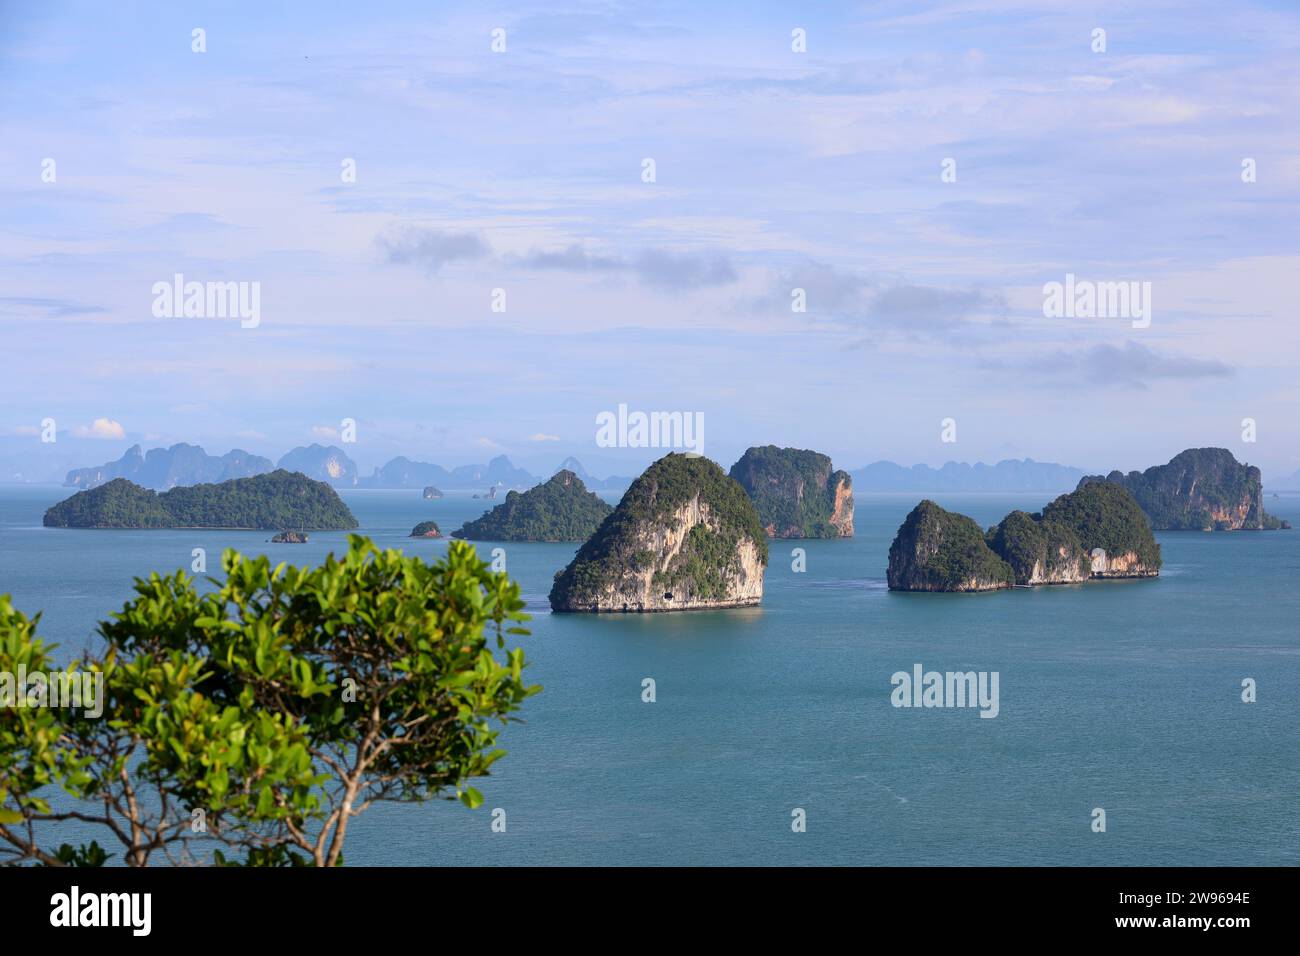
(1120, 695)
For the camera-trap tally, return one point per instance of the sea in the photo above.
(773, 738)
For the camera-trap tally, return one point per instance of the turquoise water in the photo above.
(1120, 695)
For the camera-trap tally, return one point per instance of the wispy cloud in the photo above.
(430, 249)
(1132, 366)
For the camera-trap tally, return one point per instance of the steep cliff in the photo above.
(796, 492)
(938, 550)
(561, 509)
(684, 536)
(322, 463)
(1040, 552)
(1112, 529)
(1201, 489)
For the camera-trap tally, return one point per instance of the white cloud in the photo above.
(100, 428)
(542, 436)
(324, 431)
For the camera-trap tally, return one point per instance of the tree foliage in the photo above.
(279, 704)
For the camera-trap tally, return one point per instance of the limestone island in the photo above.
(289, 537)
(431, 493)
(1201, 489)
(269, 502)
(426, 529)
(684, 537)
(796, 492)
(559, 509)
(1097, 531)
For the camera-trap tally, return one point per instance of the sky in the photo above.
(523, 170)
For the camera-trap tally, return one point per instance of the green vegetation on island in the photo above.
(1200, 489)
(274, 501)
(796, 492)
(1039, 551)
(560, 509)
(426, 529)
(684, 535)
(1104, 515)
(1097, 531)
(283, 702)
(940, 550)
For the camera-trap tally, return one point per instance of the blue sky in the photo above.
(522, 171)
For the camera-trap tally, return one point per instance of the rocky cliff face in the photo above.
(684, 537)
(1113, 530)
(329, 464)
(796, 492)
(939, 550)
(1204, 489)
(1097, 531)
(842, 507)
(1125, 565)
(1039, 552)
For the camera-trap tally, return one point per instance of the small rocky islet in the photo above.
(796, 492)
(1097, 531)
(426, 529)
(685, 536)
(560, 509)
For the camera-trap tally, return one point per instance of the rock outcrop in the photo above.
(1038, 551)
(1097, 531)
(289, 537)
(323, 463)
(797, 493)
(939, 550)
(685, 536)
(1201, 489)
(561, 509)
(426, 529)
(1112, 529)
(431, 493)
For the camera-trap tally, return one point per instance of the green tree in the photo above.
(281, 703)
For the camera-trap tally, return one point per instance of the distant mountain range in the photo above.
(181, 465)
(164, 468)
(1013, 474)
